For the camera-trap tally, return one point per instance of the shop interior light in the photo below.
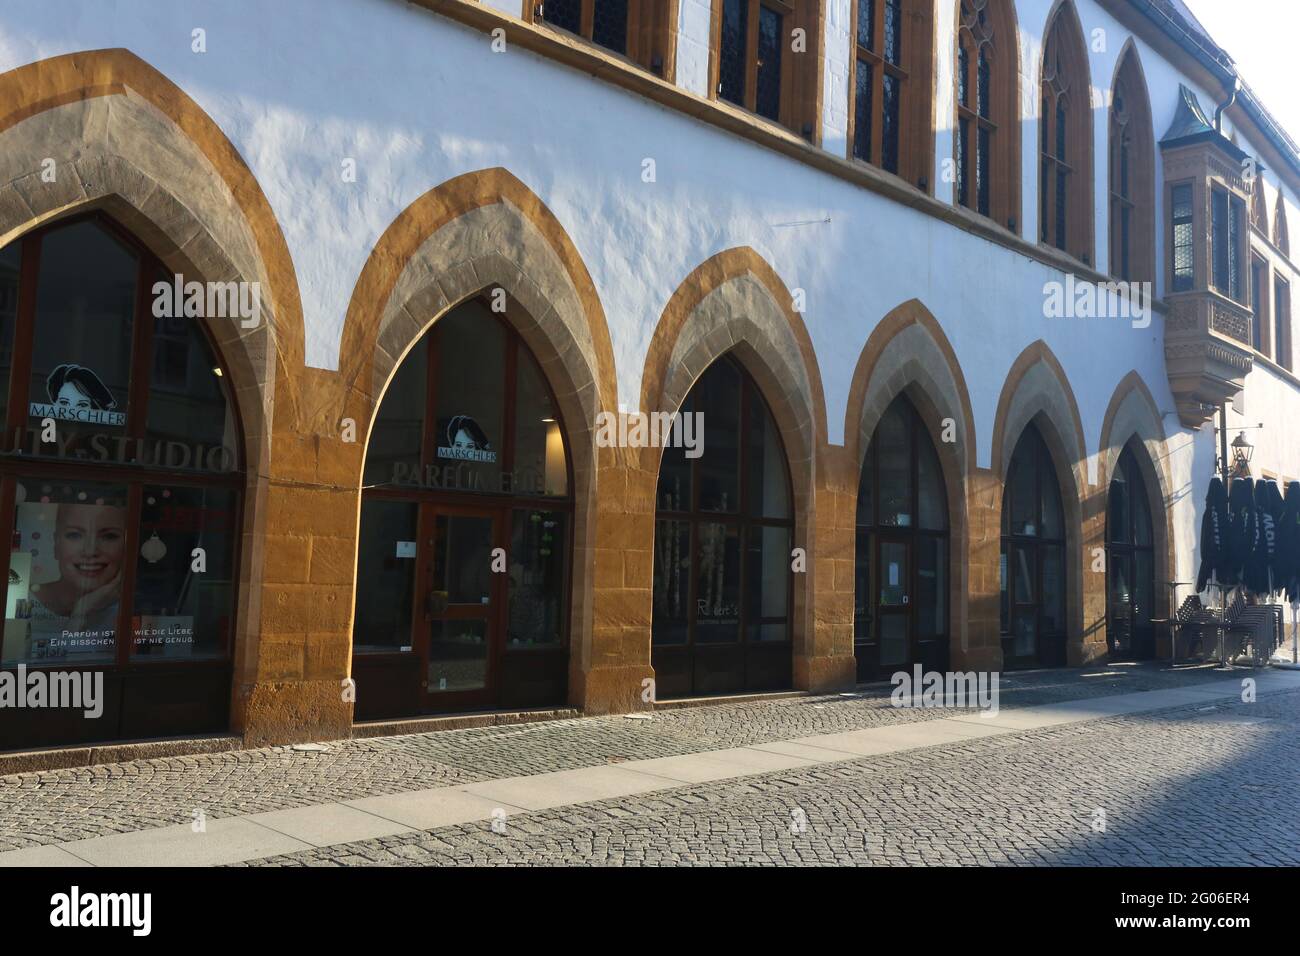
(216, 370)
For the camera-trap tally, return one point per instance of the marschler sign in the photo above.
(466, 442)
(77, 395)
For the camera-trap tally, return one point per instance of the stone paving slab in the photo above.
(546, 790)
(720, 764)
(328, 823)
(224, 841)
(40, 856)
(427, 809)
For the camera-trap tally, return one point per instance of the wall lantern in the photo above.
(1241, 452)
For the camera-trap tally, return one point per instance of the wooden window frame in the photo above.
(998, 36)
(915, 76)
(1064, 75)
(1283, 332)
(1236, 244)
(1131, 127)
(880, 68)
(1260, 293)
(651, 32)
(799, 109)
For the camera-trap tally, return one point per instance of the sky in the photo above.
(1260, 35)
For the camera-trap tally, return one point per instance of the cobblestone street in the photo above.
(1208, 782)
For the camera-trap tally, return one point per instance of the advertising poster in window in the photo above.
(72, 554)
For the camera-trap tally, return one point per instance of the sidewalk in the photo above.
(258, 804)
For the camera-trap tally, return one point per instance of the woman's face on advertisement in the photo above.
(72, 397)
(89, 541)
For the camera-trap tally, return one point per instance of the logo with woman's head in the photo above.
(466, 441)
(77, 394)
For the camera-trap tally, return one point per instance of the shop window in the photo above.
(986, 134)
(386, 549)
(723, 528)
(640, 30)
(889, 91)
(176, 611)
(1132, 176)
(1065, 138)
(121, 480)
(1032, 559)
(466, 521)
(758, 65)
(900, 608)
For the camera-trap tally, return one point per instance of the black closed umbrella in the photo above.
(1289, 552)
(1216, 524)
(1262, 571)
(1244, 529)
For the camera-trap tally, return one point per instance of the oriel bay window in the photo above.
(901, 562)
(889, 92)
(120, 490)
(722, 563)
(466, 513)
(641, 30)
(1065, 139)
(1032, 567)
(765, 56)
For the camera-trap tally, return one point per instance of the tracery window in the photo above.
(1065, 163)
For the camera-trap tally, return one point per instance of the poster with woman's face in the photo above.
(78, 553)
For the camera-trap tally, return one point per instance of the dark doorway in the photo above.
(1033, 568)
(1130, 565)
(901, 562)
